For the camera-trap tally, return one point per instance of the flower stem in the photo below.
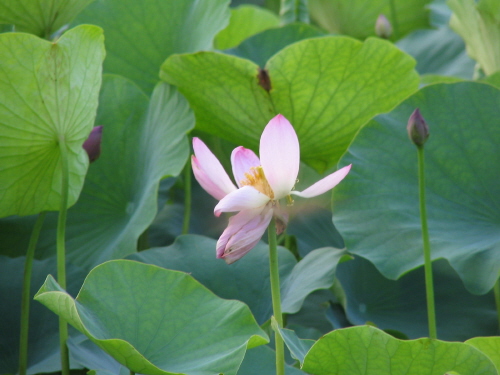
(187, 197)
(496, 291)
(25, 301)
(429, 284)
(61, 251)
(275, 292)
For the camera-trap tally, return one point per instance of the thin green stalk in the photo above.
(275, 292)
(429, 284)
(496, 290)
(25, 301)
(187, 197)
(394, 18)
(61, 252)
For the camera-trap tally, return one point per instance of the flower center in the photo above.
(255, 177)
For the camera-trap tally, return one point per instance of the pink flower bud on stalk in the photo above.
(383, 27)
(93, 143)
(418, 131)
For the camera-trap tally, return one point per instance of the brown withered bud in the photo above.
(418, 130)
(264, 79)
(93, 143)
(383, 27)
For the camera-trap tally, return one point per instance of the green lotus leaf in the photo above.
(143, 141)
(327, 87)
(369, 351)
(140, 35)
(43, 340)
(40, 17)
(248, 279)
(478, 24)
(48, 97)
(401, 304)
(357, 18)
(157, 321)
(489, 346)
(245, 21)
(261, 47)
(376, 206)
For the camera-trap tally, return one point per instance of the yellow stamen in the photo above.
(289, 200)
(256, 178)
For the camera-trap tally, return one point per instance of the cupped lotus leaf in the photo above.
(489, 346)
(357, 17)
(326, 87)
(248, 278)
(143, 141)
(478, 23)
(48, 100)
(366, 350)
(40, 17)
(245, 21)
(140, 35)
(376, 206)
(157, 321)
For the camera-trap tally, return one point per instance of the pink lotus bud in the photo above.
(418, 131)
(93, 143)
(383, 27)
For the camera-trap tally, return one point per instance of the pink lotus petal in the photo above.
(242, 234)
(280, 155)
(242, 159)
(209, 172)
(325, 184)
(244, 198)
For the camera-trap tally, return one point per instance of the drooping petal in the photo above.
(242, 159)
(244, 198)
(209, 172)
(280, 155)
(244, 231)
(324, 184)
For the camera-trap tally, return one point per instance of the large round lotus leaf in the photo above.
(157, 321)
(248, 279)
(49, 96)
(376, 206)
(358, 17)
(327, 87)
(40, 17)
(143, 141)
(365, 350)
(140, 35)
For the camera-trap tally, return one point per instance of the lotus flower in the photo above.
(262, 183)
